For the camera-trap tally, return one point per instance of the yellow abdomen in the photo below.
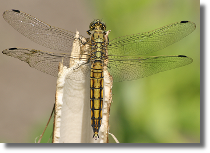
(96, 95)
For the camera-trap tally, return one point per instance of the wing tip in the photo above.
(190, 60)
(13, 10)
(6, 50)
(189, 22)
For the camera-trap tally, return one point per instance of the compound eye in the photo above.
(92, 26)
(104, 27)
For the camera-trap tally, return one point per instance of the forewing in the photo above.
(129, 68)
(148, 42)
(40, 32)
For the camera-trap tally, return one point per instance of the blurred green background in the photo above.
(162, 108)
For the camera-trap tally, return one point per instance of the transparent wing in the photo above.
(40, 32)
(129, 68)
(46, 62)
(148, 42)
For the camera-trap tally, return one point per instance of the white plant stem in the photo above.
(72, 107)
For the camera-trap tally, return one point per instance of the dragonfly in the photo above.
(122, 56)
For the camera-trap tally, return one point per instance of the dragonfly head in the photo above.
(97, 25)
